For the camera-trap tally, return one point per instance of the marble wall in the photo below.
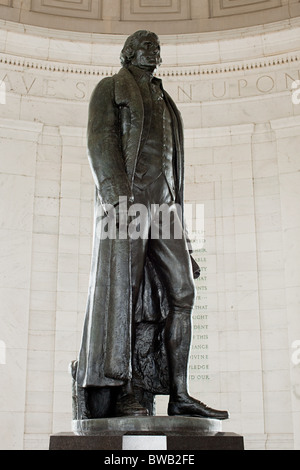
(242, 164)
(170, 16)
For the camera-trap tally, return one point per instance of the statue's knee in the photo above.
(185, 299)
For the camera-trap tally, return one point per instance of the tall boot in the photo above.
(178, 343)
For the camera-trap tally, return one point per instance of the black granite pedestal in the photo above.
(180, 434)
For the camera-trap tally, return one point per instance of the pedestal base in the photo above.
(152, 424)
(178, 433)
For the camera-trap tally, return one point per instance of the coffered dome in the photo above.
(162, 16)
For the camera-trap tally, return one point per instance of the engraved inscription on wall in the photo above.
(199, 369)
(68, 87)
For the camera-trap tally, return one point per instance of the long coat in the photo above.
(115, 135)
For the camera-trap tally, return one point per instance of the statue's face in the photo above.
(147, 54)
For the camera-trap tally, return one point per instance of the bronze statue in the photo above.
(137, 330)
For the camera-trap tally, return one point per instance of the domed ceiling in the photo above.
(162, 16)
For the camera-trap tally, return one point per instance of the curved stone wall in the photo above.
(242, 123)
(166, 16)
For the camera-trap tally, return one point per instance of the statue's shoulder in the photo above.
(103, 91)
(104, 85)
(108, 84)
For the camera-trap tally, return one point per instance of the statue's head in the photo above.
(142, 49)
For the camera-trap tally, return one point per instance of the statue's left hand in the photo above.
(196, 268)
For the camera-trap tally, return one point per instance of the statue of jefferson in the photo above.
(137, 330)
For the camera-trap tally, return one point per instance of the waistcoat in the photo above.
(156, 153)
